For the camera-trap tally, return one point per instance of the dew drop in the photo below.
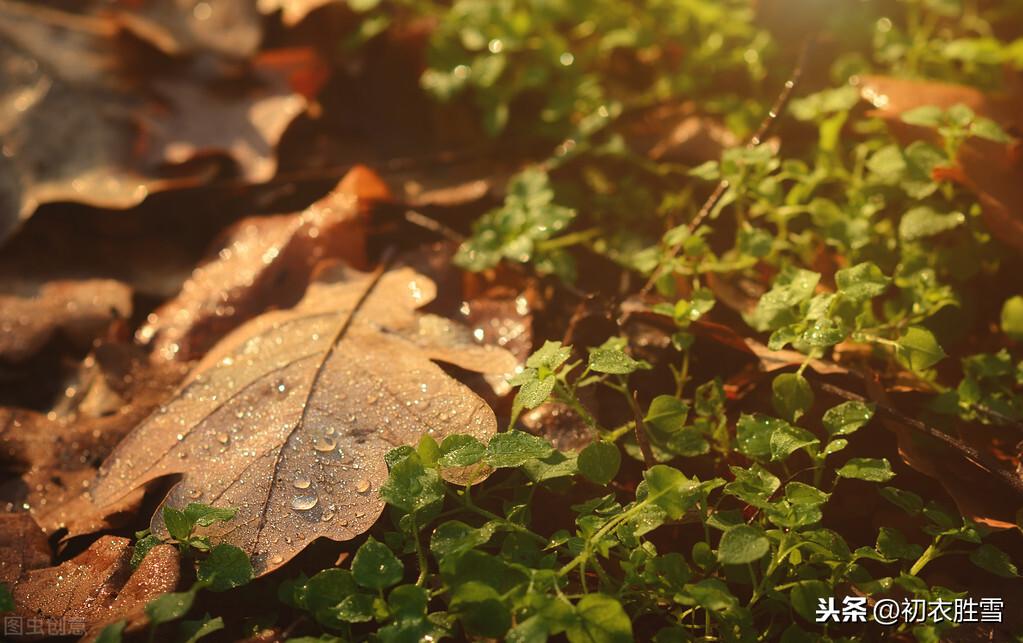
(223, 438)
(281, 388)
(327, 517)
(324, 444)
(277, 560)
(304, 503)
(301, 483)
(362, 485)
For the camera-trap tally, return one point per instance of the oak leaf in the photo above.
(288, 418)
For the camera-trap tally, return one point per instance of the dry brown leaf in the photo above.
(31, 310)
(95, 588)
(994, 171)
(54, 457)
(288, 418)
(262, 262)
(23, 546)
(70, 77)
(231, 28)
(292, 11)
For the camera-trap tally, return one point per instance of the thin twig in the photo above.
(641, 436)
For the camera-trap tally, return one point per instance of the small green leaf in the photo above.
(225, 568)
(870, 469)
(993, 560)
(550, 356)
(514, 448)
(918, 348)
(847, 418)
(806, 595)
(924, 116)
(892, 544)
(669, 489)
(791, 395)
(375, 566)
(455, 537)
(328, 588)
(192, 631)
(788, 439)
(411, 487)
(355, 608)
(461, 451)
(599, 462)
(170, 607)
(142, 547)
(861, 282)
(667, 414)
(179, 525)
(905, 500)
(599, 618)
(533, 392)
(611, 358)
(205, 515)
(922, 222)
(110, 634)
(743, 544)
(1012, 317)
(753, 434)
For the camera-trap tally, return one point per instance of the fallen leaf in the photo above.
(32, 310)
(287, 419)
(262, 262)
(292, 11)
(676, 132)
(23, 546)
(97, 587)
(73, 77)
(51, 459)
(994, 171)
(230, 28)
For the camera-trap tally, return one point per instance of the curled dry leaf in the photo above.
(31, 310)
(97, 587)
(69, 77)
(994, 171)
(288, 418)
(53, 457)
(262, 262)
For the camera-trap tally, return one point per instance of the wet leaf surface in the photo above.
(97, 587)
(261, 262)
(288, 418)
(31, 310)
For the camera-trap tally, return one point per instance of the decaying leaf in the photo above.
(31, 310)
(53, 457)
(262, 262)
(70, 77)
(23, 546)
(287, 419)
(95, 588)
(994, 171)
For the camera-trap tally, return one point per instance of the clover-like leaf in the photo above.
(288, 418)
